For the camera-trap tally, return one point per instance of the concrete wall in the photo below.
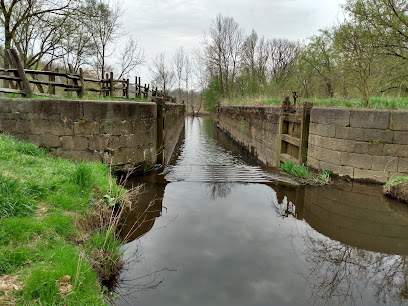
(121, 132)
(361, 144)
(173, 126)
(254, 128)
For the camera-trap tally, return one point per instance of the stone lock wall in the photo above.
(173, 126)
(361, 144)
(254, 128)
(123, 133)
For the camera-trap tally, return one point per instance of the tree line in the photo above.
(364, 55)
(72, 33)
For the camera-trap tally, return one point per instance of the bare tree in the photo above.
(162, 73)
(104, 26)
(281, 60)
(179, 60)
(222, 50)
(131, 56)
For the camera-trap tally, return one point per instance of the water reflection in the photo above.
(232, 242)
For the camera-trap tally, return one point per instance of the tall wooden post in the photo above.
(81, 83)
(111, 86)
(13, 56)
(140, 89)
(160, 130)
(305, 108)
(127, 88)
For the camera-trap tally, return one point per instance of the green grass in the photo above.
(322, 178)
(396, 181)
(40, 199)
(299, 171)
(376, 102)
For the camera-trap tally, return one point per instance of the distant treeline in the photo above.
(363, 56)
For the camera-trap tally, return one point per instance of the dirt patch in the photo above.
(399, 192)
(8, 284)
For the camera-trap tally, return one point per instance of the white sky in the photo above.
(165, 25)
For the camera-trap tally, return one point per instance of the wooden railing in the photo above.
(27, 82)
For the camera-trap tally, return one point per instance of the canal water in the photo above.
(224, 230)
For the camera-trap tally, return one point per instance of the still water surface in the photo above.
(226, 231)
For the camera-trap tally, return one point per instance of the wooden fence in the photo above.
(27, 82)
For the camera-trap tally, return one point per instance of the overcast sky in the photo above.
(164, 25)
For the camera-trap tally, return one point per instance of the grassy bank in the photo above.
(321, 178)
(56, 236)
(397, 188)
(376, 102)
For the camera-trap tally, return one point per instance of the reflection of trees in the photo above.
(338, 273)
(219, 190)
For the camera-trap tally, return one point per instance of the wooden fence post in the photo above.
(82, 83)
(140, 89)
(127, 88)
(111, 89)
(16, 62)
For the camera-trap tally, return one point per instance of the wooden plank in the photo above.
(111, 85)
(127, 88)
(58, 84)
(12, 91)
(291, 118)
(290, 139)
(286, 157)
(9, 77)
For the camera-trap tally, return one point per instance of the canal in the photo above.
(216, 228)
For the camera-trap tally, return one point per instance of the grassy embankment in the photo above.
(57, 237)
(397, 188)
(376, 102)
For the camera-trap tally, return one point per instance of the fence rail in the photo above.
(28, 82)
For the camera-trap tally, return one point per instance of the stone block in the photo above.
(385, 163)
(47, 107)
(403, 165)
(399, 120)
(322, 130)
(340, 145)
(79, 155)
(378, 176)
(330, 116)
(338, 170)
(71, 110)
(349, 133)
(86, 128)
(8, 126)
(395, 150)
(370, 119)
(401, 137)
(98, 110)
(329, 156)
(361, 161)
(124, 127)
(74, 143)
(375, 149)
(48, 141)
(378, 136)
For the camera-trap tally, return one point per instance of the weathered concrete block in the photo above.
(47, 107)
(322, 130)
(403, 165)
(329, 156)
(401, 137)
(8, 126)
(378, 176)
(76, 143)
(349, 133)
(395, 150)
(385, 163)
(379, 136)
(330, 116)
(370, 119)
(361, 161)
(97, 110)
(72, 110)
(86, 128)
(399, 120)
(315, 140)
(340, 145)
(124, 127)
(337, 169)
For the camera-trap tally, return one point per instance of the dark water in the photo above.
(225, 231)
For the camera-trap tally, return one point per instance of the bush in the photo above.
(213, 95)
